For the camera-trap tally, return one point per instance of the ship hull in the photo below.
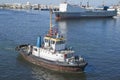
(53, 65)
(74, 15)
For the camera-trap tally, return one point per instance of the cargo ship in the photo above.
(67, 10)
(52, 53)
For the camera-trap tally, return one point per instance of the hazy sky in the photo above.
(92, 2)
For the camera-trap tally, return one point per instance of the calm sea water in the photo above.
(98, 40)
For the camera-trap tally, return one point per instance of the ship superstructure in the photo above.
(53, 48)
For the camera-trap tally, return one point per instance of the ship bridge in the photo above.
(55, 42)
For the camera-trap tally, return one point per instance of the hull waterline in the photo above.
(52, 65)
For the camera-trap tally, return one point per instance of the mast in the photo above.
(50, 30)
(50, 18)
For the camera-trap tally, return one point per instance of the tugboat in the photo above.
(52, 53)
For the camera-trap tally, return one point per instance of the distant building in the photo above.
(36, 6)
(17, 6)
(27, 6)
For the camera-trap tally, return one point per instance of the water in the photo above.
(98, 40)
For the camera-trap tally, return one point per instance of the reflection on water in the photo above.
(44, 74)
(83, 22)
(67, 27)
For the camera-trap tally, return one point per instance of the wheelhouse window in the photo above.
(52, 42)
(69, 55)
(46, 40)
(60, 42)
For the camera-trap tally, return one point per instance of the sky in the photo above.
(91, 2)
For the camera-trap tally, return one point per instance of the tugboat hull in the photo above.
(53, 65)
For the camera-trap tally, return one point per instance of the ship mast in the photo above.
(50, 30)
(50, 18)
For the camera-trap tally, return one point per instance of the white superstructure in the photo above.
(53, 49)
(64, 7)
